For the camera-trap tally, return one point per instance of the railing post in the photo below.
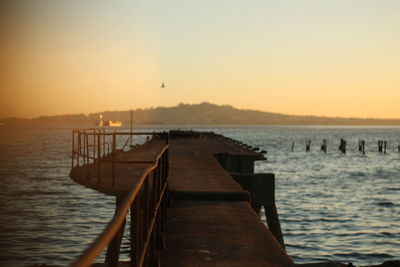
(133, 232)
(154, 190)
(98, 157)
(160, 199)
(164, 184)
(87, 149)
(113, 161)
(84, 148)
(131, 129)
(79, 147)
(104, 141)
(167, 160)
(139, 228)
(94, 145)
(114, 247)
(73, 149)
(146, 206)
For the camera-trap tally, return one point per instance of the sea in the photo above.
(332, 206)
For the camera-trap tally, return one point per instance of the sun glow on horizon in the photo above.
(336, 59)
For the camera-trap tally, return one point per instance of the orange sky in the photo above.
(295, 57)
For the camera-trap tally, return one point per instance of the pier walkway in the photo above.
(210, 223)
(209, 220)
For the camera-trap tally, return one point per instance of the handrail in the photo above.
(96, 145)
(118, 221)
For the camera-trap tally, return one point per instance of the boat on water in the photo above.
(112, 123)
(109, 123)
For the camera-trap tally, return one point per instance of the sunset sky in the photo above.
(302, 57)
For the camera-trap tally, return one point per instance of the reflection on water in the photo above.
(332, 206)
(45, 217)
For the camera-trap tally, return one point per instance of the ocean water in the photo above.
(332, 206)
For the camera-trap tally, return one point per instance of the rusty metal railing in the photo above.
(97, 146)
(147, 203)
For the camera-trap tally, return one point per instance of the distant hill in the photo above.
(197, 114)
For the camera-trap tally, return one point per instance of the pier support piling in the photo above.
(262, 193)
(113, 249)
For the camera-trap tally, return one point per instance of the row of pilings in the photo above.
(381, 147)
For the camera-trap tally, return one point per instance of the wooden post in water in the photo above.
(361, 146)
(342, 146)
(380, 146)
(384, 147)
(324, 145)
(291, 149)
(308, 145)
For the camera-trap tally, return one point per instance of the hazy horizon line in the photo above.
(196, 104)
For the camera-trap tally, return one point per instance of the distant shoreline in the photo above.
(204, 114)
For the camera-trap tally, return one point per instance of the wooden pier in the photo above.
(185, 193)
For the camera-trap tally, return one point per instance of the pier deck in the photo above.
(218, 233)
(210, 221)
(211, 229)
(194, 168)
